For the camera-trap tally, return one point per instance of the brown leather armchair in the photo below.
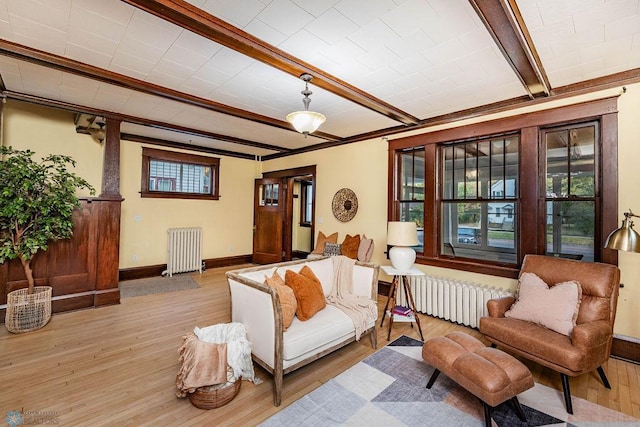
(590, 343)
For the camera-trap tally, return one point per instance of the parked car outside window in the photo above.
(468, 235)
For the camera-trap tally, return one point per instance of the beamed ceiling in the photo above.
(220, 76)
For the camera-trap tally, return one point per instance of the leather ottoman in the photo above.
(493, 376)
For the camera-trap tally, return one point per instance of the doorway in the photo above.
(284, 224)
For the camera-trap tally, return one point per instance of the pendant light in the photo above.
(306, 121)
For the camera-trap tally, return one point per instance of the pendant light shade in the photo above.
(306, 121)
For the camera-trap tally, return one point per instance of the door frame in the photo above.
(289, 176)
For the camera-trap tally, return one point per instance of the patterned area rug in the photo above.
(156, 285)
(388, 389)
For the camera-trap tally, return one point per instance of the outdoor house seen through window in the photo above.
(178, 175)
(485, 195)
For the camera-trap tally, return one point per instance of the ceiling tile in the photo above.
(87, 56)
(238, 13)
(285, 16)
(43, 37)
(198, 44)
(374, 35)
(264, 32)
(116, 12)
(304, 45)
(135, 63)
(152, 31)
(315, 7)
(52, 14)
(332, 26)
(363, 16)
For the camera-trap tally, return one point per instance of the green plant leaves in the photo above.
(37, 200)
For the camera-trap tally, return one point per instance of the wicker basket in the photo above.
(214, 396)
(28, 312)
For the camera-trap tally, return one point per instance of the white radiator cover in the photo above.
(450, 299)
(184, 250)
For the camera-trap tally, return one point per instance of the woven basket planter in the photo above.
(214, 396)
(28, 312)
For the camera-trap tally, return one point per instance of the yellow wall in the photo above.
(363, 168)
(227, 223)
(49, 131)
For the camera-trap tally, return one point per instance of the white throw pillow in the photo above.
(554, 307)
(323, 269)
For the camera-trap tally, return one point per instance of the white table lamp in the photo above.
(402, 235)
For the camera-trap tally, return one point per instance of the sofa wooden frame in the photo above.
(278, 371)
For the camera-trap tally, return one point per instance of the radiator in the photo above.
(449, 299)
(184, 250)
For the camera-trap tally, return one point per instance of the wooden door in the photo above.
(268, 219)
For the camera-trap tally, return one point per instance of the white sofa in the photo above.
(257, 306)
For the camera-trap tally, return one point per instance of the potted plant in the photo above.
(37, 200)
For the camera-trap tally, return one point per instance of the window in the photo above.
(306, 203)
(178, 175)
(268, 194)
(571, 203)
(411, 190)
(480, 179)
(487, 194)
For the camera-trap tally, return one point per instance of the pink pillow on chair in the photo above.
(554, 307)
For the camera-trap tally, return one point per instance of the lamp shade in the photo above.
(624, 238)
(400, 233)
(306, 121)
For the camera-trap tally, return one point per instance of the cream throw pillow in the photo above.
(555, 307)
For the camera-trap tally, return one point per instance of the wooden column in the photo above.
(108, 211)
(111, 162)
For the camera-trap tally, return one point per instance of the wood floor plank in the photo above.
(116, 365)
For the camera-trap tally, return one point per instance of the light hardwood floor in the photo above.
(116, 365)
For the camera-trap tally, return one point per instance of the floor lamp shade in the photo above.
(402, 235)
(624, 238)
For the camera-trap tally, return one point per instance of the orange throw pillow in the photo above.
(322, 239)
(350, 246)
(308, 290)
(288, 303)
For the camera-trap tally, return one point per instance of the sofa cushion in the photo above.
(323, 269)
(365, 250)
(534, 342)
(350, 246)
(308, 290)
(332, 249)
(322, 239)
(287, 297)
(304, 338)
(554, 307)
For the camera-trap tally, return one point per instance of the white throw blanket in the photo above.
(238, 347)
(360, 309)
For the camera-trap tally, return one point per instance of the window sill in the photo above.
(500, 270)
(167, 195)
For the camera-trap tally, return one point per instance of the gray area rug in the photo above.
(156, 285)
(388, 389)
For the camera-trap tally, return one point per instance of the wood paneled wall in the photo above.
(83, 270)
